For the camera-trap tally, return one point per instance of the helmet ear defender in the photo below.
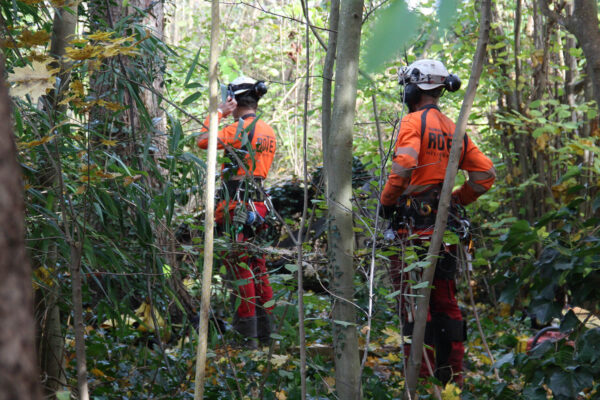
(260, 89)
(452, 83)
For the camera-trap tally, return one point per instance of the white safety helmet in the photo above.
(243, 84)
(428, 75)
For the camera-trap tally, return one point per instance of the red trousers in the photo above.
(446, 358)
(250, 275)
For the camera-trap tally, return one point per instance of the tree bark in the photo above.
(583, 23)
(339, 193)
(18, 368)
(329, 63)
(416, 352)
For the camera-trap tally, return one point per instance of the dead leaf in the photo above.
(279, 359)
(30, 39)
(78, 54)
(281, 395)
(100, 35)
(32, 80)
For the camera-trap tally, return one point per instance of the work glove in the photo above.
(386, 212)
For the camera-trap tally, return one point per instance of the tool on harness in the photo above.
(246, 136)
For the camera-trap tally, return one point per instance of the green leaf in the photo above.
(191, 98)
(447, 13)
(291, 267)
(420, 285)
(345, 324)
(569, 322)
(63, 395)
(192, 67)
(269, 304)
(508, 358)
(394, 28)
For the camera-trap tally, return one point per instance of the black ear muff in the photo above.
(452, 83)
(412, 95)
(260, 88)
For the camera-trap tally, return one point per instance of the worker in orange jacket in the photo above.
(410, 197)
(241, 209)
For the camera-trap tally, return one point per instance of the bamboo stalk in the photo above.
(210, 204)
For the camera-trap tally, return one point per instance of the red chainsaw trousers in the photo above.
(443, 306)
(251, 279)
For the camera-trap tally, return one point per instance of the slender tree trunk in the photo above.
(339, 193)
(209, 201)
(19, 377)
(329, 63)
(416, 351)
(50, 337)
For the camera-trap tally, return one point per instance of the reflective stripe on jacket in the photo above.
(264, 144)
(421, 157)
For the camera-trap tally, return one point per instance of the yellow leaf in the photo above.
(29, 39)
(78, 41)
(113, 106)
(32, 80)
(109, 143)
(100, 35)
(128, 180)
(330, 381)
(451, 392)
(77, 87)
(44, 274)
(107, 175)
(97, 373)
(542, 140)
(522, 344)
(393, 337)
(281, 395)
(89, 51)
(33, 143)
(504, 310)
(279, 359)
(80, 189)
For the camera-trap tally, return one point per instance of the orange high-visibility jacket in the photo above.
(421, 157)
(264, 144)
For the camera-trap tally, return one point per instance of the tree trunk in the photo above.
(329, 63)
(339, 193)
(50, 339)
(209, 201)
(18, 367)
(583, 23)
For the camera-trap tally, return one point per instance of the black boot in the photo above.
(263, 326)
(246, 326)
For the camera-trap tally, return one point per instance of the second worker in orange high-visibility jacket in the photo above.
(254, 142)
(421, 156)
(419, 165)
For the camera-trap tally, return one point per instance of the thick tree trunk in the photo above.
(18, 368)
(339, 193)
